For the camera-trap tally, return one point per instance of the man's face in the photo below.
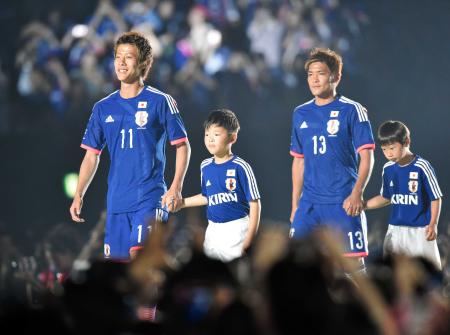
(126, 63)
(320, 80)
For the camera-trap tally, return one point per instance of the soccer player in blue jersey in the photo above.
(135, 123)
(228, 189)
(410, 185)
(332, 147)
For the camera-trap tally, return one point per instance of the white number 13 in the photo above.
(320, 144)
(358, 243)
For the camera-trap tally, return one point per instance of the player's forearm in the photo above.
(376, 202)
(364, 170)
(435, 211)
(183, 156)
(87, 172)
(298, 167)
(194, 201)
(254, 218)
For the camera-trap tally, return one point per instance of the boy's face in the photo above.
(218, 141)
(320, 80)
(394, 151)
(126, 63)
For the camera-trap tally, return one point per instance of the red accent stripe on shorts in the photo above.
(356, 254)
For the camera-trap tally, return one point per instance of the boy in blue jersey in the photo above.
(329, 132)
(410, 185)
(135, 123)
(229, 191)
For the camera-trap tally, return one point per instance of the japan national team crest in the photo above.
(230, 184)
(413, 185)
(141, 118)
(333, 126)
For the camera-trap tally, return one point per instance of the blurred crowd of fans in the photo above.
(279, 287)
(207, 52)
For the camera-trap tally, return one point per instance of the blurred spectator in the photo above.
(42, 79)
(58, 251)
(265, 34)
(196, 84)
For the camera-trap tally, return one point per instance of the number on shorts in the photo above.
(356, 241)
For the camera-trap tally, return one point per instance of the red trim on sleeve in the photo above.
(356, 254)
(366, 146)
(180, 140)
(84, 146)
(295, 154)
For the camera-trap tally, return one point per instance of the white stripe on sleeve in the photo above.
(170, 101)
(250, 177)
(431, 177)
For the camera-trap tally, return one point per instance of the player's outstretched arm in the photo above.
(431, 231)
(172, 198)
(87, 171)
(254, 217)
(194, 201)
(376, 202)
(353, 205)
(298, 168)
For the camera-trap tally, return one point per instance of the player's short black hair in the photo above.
(145, 55)
(222, 118)
(391, 131)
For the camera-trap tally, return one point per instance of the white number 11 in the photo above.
(123, 138)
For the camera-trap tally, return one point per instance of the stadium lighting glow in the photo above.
(70, 181)
(79, 30)
(214, 38)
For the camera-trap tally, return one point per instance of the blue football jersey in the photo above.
(329, 138)
(135, 131)
(411, 189)
(229, 187)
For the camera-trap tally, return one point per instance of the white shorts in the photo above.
(225, 240)
(411, 241)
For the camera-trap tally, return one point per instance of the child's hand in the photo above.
(431, 232)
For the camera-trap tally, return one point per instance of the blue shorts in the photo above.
(128, 231)
(352, 229)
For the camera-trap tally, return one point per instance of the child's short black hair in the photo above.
(393, 132)
(222, 118)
